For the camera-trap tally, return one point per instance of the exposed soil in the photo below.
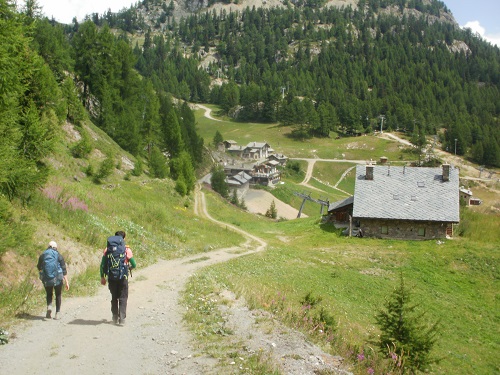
(154, 339)
(259, 201)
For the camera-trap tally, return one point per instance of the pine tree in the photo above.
(218, 182)
(158, 167)
(172, 134)
(272, 212)
(217, 138)
(234, 198)
(405, 336)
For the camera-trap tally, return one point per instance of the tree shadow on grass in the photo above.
(331, 228)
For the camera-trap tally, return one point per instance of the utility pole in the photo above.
(455, 146)
(283, 92)
(382, 117)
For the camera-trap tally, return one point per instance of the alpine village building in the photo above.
(402, 202)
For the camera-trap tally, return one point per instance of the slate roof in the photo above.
(406, 193)
(239, 179)
(339, 204)
(273, 163)
(465, 191)
(257, 145)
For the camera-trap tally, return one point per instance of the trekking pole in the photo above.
(130, 270)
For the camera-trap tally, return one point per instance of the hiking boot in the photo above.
(121, 322)
(115, 319)
(58, 316)
(49, 312)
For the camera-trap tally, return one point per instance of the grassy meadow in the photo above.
(455, 282)
(357, 148)
(80, 214)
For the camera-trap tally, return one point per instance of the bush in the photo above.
(105, 170)
(180, 187)
(83, 148)
(137, 171)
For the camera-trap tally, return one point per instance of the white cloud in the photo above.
(476, 27)
(64, 11)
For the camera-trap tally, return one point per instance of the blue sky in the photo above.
(482, 16)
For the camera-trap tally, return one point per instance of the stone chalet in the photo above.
(253, 150)
(402, 202)
(466, 196)
(280, 158)
(265, 173)
(239, 182)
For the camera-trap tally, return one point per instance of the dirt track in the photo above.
(154, 339)
(154, 334)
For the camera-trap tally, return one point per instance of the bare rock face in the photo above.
(459, 46)
(183, 7)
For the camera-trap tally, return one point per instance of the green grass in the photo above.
(331, 173)
(455, 281)
(352, 148)
(80, 215)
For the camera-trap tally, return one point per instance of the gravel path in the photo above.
(154, 339)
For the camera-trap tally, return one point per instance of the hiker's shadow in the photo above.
(84, 322)
(27, 316)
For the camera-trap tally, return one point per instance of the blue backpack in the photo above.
(51, 273)
(116, 269)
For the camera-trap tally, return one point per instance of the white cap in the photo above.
(53, 244)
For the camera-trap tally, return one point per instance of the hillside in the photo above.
(96, 139)
(322, 69)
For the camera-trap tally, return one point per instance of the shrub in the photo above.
(137, 171)
(105, 169)
(180, 187)
(83, 148)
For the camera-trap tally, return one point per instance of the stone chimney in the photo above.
(369, 172)
(446, 172)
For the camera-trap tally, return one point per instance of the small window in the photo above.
(384, 229)
(421, 232)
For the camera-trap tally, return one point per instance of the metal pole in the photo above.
(382, 117)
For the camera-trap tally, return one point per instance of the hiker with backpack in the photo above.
(115, 264)
(52, 268)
